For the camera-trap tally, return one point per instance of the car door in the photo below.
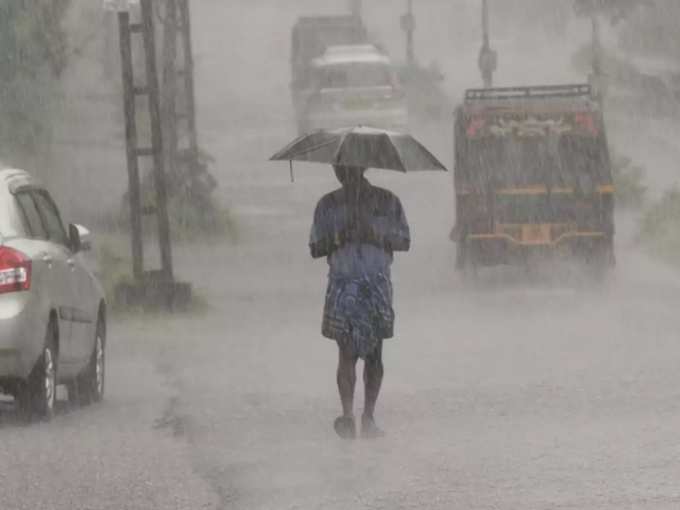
(63, 265)
(83, 305)
(87, 303)
(51, 282)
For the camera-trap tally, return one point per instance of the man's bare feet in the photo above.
(369, 430)
(345, 427)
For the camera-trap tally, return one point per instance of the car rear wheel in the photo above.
(89, 386)
(37, 399)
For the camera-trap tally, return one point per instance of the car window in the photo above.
(50, 215)
(32, 220)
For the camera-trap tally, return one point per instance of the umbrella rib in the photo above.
(433, 159)
(316, 147)
(398, 153)
(336, 156)
(303, 151)
(287, 148)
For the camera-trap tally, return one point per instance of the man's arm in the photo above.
(398, 237)
(322, 248)
(399, 244)
(322, 241)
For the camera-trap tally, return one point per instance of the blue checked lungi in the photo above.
(358, 312)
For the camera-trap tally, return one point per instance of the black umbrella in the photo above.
(361, 147)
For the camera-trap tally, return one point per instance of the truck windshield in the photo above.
(311, 41)
(342, 76)
(558, 161)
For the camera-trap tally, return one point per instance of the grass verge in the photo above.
(660, 228)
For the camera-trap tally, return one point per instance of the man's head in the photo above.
(349, 176)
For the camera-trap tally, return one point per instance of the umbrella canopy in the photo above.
(361, 147)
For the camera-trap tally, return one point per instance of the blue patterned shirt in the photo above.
(376, 209)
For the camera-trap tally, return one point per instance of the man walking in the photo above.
(358, 228)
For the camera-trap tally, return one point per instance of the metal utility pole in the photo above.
(180, 126)
(153, 93)
(176, 42)
(355, 7)
(188, 73)
(169, 95)
(488, 58)
(597, 78)
(408, 25)
(131, 143)
(151, 287)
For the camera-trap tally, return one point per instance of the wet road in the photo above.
(109, 456)
(543, 394)
(515, 395)
(537, 395)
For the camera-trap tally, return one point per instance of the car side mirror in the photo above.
(80, 238)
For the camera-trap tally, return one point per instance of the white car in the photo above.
(52, 308)
(350, 86)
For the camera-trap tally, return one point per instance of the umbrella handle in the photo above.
(292, 175)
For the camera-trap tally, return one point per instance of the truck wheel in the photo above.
(601, 262)
(461, 254)
(465, 262)
(37, 399)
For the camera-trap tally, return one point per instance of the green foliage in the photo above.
(653, 30)
(190, 221)
(660, 227)
(191, 218)
(628, 181)
(192, 208)
(34, 54)
(114, 268)
(114, 265)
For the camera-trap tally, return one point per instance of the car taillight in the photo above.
(15, 271)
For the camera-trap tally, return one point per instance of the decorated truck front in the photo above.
(532, 176)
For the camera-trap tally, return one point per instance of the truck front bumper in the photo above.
(499, 249)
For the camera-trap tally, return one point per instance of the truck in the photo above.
(532, 178)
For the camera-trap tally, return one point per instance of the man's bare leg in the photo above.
(373, 376)
(347, 378)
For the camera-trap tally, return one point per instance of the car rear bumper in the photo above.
(10, 363)
(20, 337)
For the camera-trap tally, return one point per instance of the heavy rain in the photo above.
(196, 314)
